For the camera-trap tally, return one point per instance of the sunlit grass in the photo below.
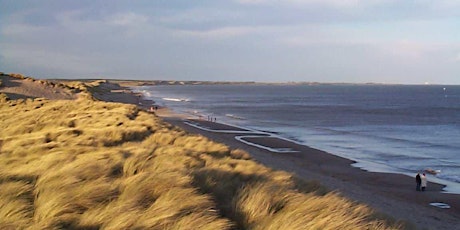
(98, 165)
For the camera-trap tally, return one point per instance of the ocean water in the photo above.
(384, 128)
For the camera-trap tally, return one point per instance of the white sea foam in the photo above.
(175, 99)
(234, 116)
(275, 150)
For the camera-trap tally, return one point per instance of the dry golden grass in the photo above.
(87, 164)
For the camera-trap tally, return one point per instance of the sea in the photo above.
(384, 128)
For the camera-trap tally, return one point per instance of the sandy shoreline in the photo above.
(392, 194)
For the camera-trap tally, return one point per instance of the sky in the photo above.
(354, 41)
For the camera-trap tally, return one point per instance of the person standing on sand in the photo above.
(423, 181)
(418, 181)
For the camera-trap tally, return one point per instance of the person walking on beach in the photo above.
(423, 181)
(418, 181)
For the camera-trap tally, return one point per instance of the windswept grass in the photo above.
(86, 164)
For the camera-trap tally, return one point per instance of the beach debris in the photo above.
(440, 205)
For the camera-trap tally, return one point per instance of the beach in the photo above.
(392, 194)
(144, 143)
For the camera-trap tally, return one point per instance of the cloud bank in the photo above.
(260, 40)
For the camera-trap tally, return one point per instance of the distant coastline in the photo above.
(127, 82)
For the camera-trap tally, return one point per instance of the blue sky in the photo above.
(356, 41)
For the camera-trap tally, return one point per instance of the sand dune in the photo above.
(17, 86)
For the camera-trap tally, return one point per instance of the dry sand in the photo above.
(16, 88)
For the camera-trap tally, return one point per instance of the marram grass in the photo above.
(87, 164)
